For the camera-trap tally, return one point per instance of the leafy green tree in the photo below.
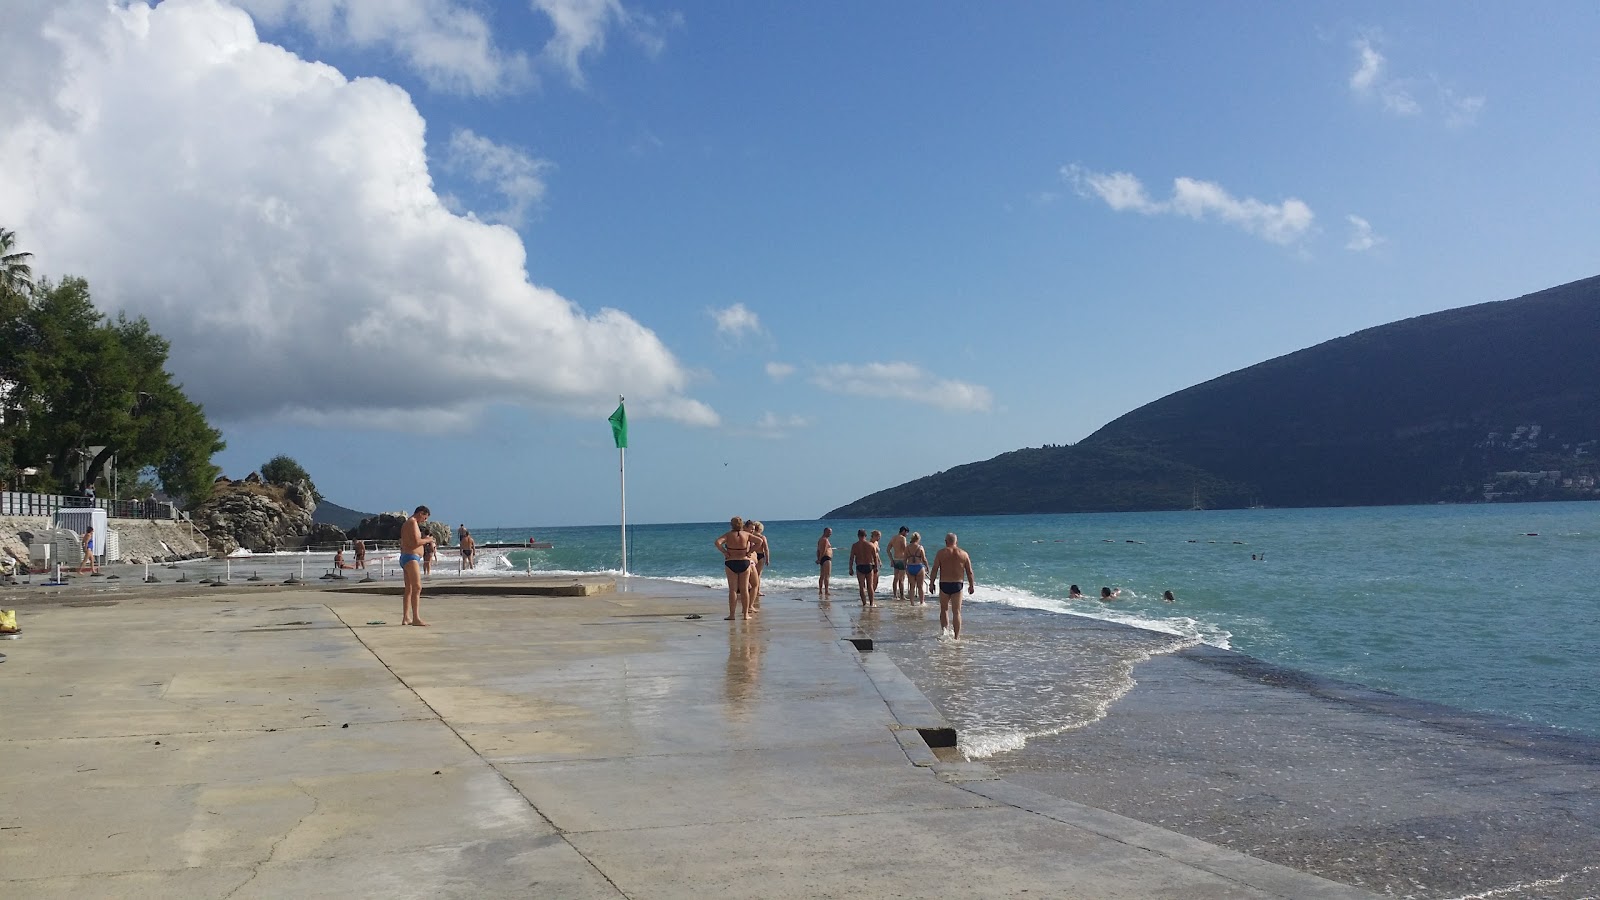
(283, 470)
(77, 380)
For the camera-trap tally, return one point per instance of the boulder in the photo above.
(381, 527)
(324, 535)
(439, 530)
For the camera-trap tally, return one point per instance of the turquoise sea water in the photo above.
(1489, 608)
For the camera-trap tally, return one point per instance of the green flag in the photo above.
(619, 426)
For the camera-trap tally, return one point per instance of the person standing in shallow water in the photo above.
(413, 545)
(758, 560)
(864, 561)
(897, 562)
(877, 560)
(735, 549)
(916, 569)
(825, 562)
(950, 566)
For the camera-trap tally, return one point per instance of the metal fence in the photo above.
(16, 503)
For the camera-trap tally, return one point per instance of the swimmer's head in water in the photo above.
(1105, 592)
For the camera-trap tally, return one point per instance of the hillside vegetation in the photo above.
(1498, 401)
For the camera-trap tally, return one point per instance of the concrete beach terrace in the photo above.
(252, 741)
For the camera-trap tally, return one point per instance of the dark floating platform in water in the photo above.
(536, 545)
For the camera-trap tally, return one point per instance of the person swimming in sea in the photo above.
(1166, 597)
(1075, 593)
(916, 561)
(734, 546)
(1109, 594)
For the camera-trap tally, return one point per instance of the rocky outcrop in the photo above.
(255, 516)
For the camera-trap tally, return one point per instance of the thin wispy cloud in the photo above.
(903, 381)
(735, 322)
(516, 177)
(772, 426)
(1372, 82)
(1362, 237)
(447, 43)
(581, 28)
(778, 371)
(1281, 223)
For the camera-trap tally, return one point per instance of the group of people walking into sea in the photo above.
(745, 555)
(914, 574)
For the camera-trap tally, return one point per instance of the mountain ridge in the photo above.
(1424, 409)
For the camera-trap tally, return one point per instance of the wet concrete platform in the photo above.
(300, 743)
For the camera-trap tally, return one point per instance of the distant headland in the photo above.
(1493, 402)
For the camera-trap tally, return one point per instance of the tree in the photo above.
(16, 276)
(283, 470)
(77, 380)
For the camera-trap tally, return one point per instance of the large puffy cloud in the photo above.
(903, 381)
(278, 223)
(1280, 223)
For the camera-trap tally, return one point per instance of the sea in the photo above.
(1494, 609)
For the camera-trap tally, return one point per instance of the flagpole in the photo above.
(622, 469)
(622, 462)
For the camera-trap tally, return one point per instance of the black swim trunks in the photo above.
(864, 570)
(899, 564)
(950, 587)
(737, 565)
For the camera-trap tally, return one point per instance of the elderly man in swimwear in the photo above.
(897, 561)
(949, 567)
(413, 545)
(864, 562)
(825, 560)
(734, 545)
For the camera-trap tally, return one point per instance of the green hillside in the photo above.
(1482, 402)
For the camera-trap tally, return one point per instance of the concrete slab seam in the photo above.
(148, 734)
(474, 751)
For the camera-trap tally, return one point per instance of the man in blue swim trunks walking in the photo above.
(950, 566)
(412, 545)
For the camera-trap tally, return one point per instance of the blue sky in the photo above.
(846, 244)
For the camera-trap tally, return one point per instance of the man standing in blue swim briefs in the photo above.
(412, 545)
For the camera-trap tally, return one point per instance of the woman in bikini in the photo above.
(758, 560)
(916, 564)
(735, 549)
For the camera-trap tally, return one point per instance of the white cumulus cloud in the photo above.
(903, 381)
(773, 426)
(581, 27)
(1281, 223)
(1362, 237)
(735, 321)
(277, 222)
(778, 371)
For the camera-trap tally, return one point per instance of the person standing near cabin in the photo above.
(949, 566)
(825, 562)
(89, 564)
(735, 549)
(413, 546)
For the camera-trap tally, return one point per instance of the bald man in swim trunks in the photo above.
(950, 566)
(897, 561)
